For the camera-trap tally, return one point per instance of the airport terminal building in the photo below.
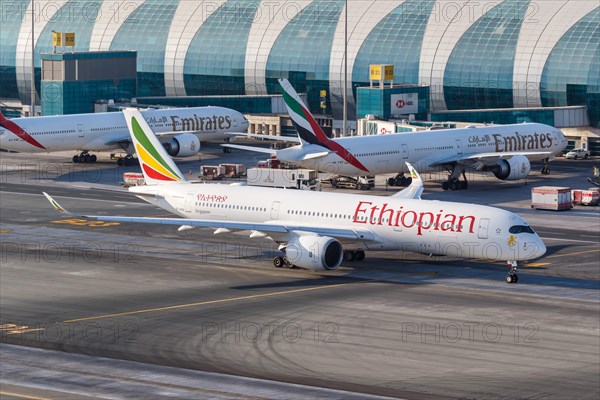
(471, 54)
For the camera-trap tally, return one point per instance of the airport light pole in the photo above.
(32, 111)
(345, 114)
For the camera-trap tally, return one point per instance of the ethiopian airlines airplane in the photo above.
(506, 150)
(318, 230)
(180, 130)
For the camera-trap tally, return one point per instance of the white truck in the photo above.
(301, 179)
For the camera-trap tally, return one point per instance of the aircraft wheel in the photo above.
(453, 186)
(360, 255)
(278, 262)
(408, 181)
(445, 185)
(512, 278)
(120, 162)
(391, 181)
(349, 255)
(75, 159)
(226, 150)
(87, 158)
(93, 158)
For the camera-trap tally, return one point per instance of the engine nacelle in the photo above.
(184, 145)
(317, 253)
(513, 169)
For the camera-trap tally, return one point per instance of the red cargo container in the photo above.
(576, 196)
(551, 198)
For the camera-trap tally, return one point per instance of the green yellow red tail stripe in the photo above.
(156, 164)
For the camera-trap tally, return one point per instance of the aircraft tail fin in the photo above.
(309, 131)
(157, 166)
(2, 117)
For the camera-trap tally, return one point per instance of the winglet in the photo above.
(56, 206)
(415, 189)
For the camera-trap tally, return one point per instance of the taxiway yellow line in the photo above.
(22, 396)
(574, 254)
(203, 303)
(5, 231)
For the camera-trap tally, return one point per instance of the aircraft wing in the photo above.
(267, 137)
(488, 158)
(160, 135)
(280, 228)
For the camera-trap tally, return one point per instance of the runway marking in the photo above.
(85, 222)
(574, 254)
(536, 265)
(5, 231)
(22, 396)
(202, 303)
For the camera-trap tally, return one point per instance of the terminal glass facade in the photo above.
(572, 73)
(215, 60)
(302, 52)
(396, 40)
(497, 116)
(479, 73)
(150, 40)
(11, 17)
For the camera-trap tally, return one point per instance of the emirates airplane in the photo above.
(319, 230)
(180, 130)
(506, 150)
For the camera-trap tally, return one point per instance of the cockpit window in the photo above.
(515, 229)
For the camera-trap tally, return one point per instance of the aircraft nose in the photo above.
(541, 248)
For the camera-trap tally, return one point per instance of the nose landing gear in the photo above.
(512, 276)
(546, 167)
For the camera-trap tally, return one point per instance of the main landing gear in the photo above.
(127, 161)
(512, 276)
(453, 182)
(546, 167)
(399, 180)
(84, 157)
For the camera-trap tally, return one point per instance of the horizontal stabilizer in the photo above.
(312, 156)
(251, 148)
(266, 137)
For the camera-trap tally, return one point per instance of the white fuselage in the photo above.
(389, 153)
(100, 131)
(383, 223)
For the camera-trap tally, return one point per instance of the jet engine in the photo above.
(513, 169)
(184, 145)
(317, 253)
